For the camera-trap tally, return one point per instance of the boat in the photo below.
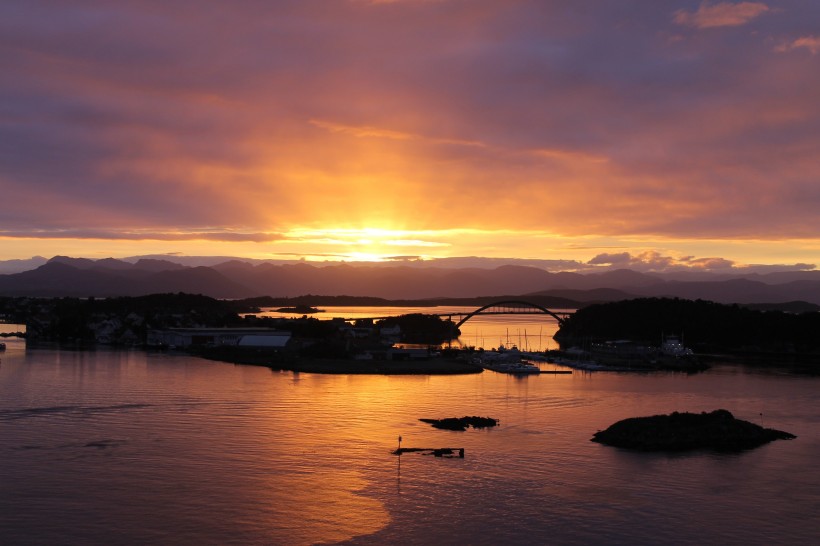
(505, 361)
(673, 355)
(2, 346)
(673, 346)
(516, 368)
(513, 367)
(582, 364)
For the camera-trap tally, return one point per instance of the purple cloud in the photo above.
(721, 14)
(617, 119)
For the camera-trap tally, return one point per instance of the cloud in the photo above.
(376, 132)
(379, 2)
(763, 269)
(722, 14)
(619, 259)
(143, 235)
(570, 156)
(649, 261)
(403, 258)
(708, 264)
(362, 132)
(569, 120)
(812, 43)
(655, 262)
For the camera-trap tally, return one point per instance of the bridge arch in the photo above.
(511, 303)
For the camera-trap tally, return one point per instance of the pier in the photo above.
(447, 452)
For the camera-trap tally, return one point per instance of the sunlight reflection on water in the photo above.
(527, 332)
(124, 447)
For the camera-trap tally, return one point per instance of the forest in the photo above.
(704, 325)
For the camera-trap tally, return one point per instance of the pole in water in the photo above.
(399, 443)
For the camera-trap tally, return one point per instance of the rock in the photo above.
(462, 423)
(303, 309)
(717, 430)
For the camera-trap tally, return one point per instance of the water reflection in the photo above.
(157, 448)
(527, 332)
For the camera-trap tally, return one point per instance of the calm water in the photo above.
(128, 447)
(528, 332)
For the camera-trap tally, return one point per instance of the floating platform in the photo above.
(447, 452)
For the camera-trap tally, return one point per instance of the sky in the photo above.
(674, 133)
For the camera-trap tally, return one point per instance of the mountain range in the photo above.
(236, 279)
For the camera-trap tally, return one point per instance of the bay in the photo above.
(530, 332)
(132, 447)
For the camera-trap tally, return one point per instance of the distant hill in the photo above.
(707, 326)
(109, 278)
(236, 279)
(18, 266)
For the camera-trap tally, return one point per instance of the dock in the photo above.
(447, 452)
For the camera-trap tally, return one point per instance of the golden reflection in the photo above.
(315, 451)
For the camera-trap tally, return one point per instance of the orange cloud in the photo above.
(516, 128)
(812, 43)
(117, 234)
(570, 156)
(722, 14)
(376, 132)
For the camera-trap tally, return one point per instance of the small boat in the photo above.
(513, 367)
(673, 346)
(2, 346)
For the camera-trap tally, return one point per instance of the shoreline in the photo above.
(432, 366)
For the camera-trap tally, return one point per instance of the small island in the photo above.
(301, 309)
(462, 423)
(718, 430)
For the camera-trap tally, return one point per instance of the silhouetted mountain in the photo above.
(237, 279)
(148, 264)
(595, 295)
(18, 266)
(623, 278)
(195, 280)
(788, 276)
(737, 291)
(113, 264)
(79, 263)
(58, 278)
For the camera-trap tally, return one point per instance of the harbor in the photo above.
(166, 443)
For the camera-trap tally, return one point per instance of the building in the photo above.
(265, 341)
(181, 338)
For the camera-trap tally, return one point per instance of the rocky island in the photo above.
(718, 430)
(302, 309)
(461, 423)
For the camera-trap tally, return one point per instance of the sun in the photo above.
(367, 244)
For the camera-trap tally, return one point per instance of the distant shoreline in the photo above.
(432, 366)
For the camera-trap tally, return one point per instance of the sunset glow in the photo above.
(413, 130)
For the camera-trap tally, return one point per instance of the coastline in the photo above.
(432, 366)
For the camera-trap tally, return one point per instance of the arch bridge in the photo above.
(509, 307)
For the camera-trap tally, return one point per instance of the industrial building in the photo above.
(182, 338)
